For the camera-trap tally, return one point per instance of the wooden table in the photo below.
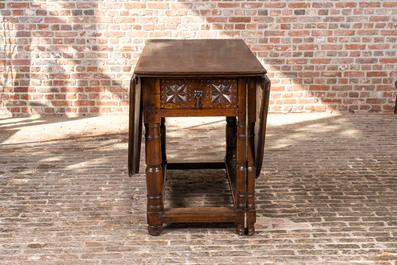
(184, 78)
(395, 107)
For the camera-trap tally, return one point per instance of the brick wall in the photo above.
(70, 57)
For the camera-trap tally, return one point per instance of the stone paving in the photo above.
(327, 194)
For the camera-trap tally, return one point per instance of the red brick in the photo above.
(325, 5)
(355, 46)
(375, 101)
(107, 103)
(378, 19)
(322, 33)
(114, 34)
(308, 47)
(331, 74)
(389, 33)
(228, 5)
(353, 74)
(21, 62)
(369, 4)
(43, 34)
(342, 88)
(389, 4)
(374, 74)
(366, 60)
(158, 5)
(84, 103)
(367, 32)
(319, 88)
(346, 5)
(66, 34)
(240, 19)
(305, 45)
(124, 20)
(299, 5)
(332, 47)
(274, 5)
(252, 5)
(388, 60)
(378, 46)
(299, 33)
(331, 101)
(17, 5)
(52, 20)
(344, 32)
(216, 19)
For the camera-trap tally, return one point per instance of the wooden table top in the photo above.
(198, 57)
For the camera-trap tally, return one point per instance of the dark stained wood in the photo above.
(198, 57)
(263, 94)
(231, 154)
(395, 107)
(154, 174)
(215, 93)
(200, 215)
(241, 156)
(231, 168)
(196, 165)
(135, 127)
(251, 170)
(231, 140)
(183, 78)
(197, 112)
(163, 141)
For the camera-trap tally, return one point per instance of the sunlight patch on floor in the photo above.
(88, 163)
(37, 129)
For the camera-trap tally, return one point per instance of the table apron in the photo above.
(198, 112)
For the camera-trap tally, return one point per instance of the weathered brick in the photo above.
(315, 37)
(18, 5)
(240, 19)
(293, 201)
(228, 5)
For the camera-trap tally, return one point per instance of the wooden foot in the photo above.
(251, 230)
(155, 230)
(240, 230)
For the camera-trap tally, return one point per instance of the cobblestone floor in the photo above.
(327, 194)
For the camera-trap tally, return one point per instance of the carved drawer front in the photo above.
(198, 93)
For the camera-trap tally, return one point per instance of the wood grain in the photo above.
(200, 215)
(198, 57)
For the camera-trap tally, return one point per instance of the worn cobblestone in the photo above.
(327, 193)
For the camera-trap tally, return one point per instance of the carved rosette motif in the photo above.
(175, 93)
(221, 93)
(216, 93)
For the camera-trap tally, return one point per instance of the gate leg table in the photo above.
(199, 78)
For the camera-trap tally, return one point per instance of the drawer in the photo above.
(198, 93)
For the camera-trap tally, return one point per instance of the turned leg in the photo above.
(154, 179)
(395, 107)
(163, 141)
(240, 177)
(251, 212)
(154, 170)
(163, 152)
(231, 132)
(251, 167)
(241, 158)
